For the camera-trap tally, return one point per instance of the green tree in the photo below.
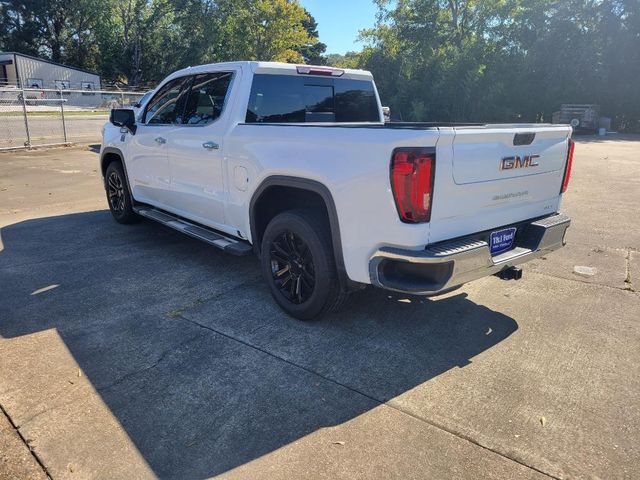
(505, 60)
(348, 60)
(313, 52)
(263, 30)
(139, 41)
(57, 29)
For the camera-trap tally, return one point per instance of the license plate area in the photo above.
(502, 240)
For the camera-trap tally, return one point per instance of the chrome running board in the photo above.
(208, 235)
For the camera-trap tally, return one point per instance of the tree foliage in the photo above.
(453, 60)
(505, 60)
(137, 41)
(312, 52)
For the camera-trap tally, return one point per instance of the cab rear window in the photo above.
(297, 99)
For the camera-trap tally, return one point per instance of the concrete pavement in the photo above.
(135, 352)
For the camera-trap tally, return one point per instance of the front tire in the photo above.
(298, 265)
(118, 194)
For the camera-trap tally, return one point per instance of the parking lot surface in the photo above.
(135, 352)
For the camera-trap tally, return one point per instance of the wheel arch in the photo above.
(302, 185)
(110, 155)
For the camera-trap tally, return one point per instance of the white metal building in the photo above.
(17, 69)
(23, 71)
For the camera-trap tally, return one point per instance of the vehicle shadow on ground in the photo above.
(188, 351)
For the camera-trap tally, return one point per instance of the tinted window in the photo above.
(144, 98)
(299, 99)
(356, 101)
(206, 99)
(166, 106)
(319, 103)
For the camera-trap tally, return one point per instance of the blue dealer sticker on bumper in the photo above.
(502, 240)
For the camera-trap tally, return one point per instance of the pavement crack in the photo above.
(583, 282)
(257, 328)
(46, 410)
(627, 279)
(38, 460)
(378, 401)
(180, 311)
(604, 247)
(166, 354)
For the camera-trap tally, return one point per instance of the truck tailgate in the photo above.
(487, 177)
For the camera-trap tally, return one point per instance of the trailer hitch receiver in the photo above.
(511, 273)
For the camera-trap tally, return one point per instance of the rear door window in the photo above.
(298, 99)
(207, 98)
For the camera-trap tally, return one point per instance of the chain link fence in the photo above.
(42, 117)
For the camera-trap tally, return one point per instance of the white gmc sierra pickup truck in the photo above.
(296, 164)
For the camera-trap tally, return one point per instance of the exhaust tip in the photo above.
(511, 273)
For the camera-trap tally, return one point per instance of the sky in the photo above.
(340, 20)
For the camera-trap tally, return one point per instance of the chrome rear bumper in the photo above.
(446, 265)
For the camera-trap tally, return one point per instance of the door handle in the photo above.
(211, 145)
(161, 141)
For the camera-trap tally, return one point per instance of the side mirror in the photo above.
(124, 117)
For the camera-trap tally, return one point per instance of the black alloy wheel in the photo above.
(118, 194)
(292, 267)
(115, 192)
(299, 266)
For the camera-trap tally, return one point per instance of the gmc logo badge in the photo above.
(510, 163)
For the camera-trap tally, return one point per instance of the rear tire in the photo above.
(118, 194)
(299, 266)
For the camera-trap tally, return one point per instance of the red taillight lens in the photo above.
(412, 171)
(567, 168)
(326, 71)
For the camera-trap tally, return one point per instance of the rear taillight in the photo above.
(412, 172)
(567, 168)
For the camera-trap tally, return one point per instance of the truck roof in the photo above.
(271, 68)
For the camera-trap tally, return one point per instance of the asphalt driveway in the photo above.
(136, 352)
